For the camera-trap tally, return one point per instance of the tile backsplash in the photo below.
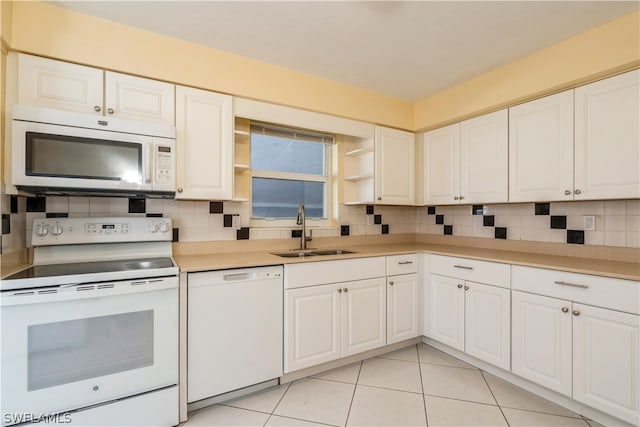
(617, 223)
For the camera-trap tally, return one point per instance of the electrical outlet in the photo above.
(589, 222)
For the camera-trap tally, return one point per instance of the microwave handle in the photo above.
(149, 168)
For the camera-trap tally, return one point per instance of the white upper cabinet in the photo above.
(55, 84)
(137, 98)
(467, 162)
(541, 149)
(607, 140)
(64, 86)
(484, 162)
(394, 166)
(204, 145)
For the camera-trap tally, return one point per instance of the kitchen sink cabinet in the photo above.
(467, 162)
(394, 166)
(61, 85)
(204, 145)
(467, 315)
(562, 341)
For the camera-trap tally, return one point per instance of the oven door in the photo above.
(47, 155)
(70, 347)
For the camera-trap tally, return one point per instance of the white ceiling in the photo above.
(402, 49)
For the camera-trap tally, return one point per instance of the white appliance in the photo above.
(90, 331)
(234, 330)
(62, 152)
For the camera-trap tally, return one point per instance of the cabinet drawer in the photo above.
(616, 294)
(402, 264)
(325, 272)
(493, 273)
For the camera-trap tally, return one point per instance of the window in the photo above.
(289, 167)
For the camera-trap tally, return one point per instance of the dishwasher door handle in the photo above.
(239, 276)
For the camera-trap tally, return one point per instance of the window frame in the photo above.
(328, 178)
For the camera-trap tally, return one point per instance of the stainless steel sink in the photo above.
(310, 253)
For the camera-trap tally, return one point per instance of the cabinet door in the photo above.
(312, 328)
(403, 307)
(607, 146)
(541, 149)
(395, 166)
(442, 165)
(138, 98)
(204, 145)
(363, 315)
(446, 310)
(606, 364)
(484, 162)
(488, 323)
(541, 340)
(55, 84)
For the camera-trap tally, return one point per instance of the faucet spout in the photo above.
(302, 220)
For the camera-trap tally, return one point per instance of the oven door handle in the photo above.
(80, 291)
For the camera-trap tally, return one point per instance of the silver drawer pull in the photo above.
(575, 285)
(405, 262)
(463, 267)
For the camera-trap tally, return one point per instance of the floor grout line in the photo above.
(354, 393)
(424, 402)
(494, 397)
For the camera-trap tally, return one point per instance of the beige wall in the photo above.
(604, 50)
(47, 30)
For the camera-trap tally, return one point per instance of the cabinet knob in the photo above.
(577, 192)
(379, 198)
(576, 312)
(390, 283)
(110, 110)
(455, 197)
(461, 197)
(466, 288)
(179, 189)
(346, 290)
(567, 192)
(565, 309)
(97, 109)
(459, 286)
(339, 290)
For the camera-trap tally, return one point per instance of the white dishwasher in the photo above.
(234, 329)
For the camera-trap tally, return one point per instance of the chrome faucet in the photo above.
(302, 220)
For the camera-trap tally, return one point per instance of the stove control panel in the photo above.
(67, 231)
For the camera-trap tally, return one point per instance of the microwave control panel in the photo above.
(165, 160)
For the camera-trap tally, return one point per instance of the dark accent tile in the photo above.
(448, 229)
(385, 228)
(477, 210)
(488, 220)
(154, 215)
(369, 210)
(542, 208)
(176, 235)
(377, 219)
(575, 236)
(36, 204)
(57, 215)
(6, 223)
(296, 233)
(228, 220)
(14, 204)
(558, 221)
(439, 219)
(242, 233)
(344, 230)
(216, 207)
(431, 210)
(500, 233)
(137, 205)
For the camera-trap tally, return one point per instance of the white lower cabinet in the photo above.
(327, 322)
(403, 307)
(564, 343)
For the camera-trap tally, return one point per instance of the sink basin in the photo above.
(310, 253)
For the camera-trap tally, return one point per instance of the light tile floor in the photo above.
(414, 386)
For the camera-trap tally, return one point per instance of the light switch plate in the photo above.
(589, 222)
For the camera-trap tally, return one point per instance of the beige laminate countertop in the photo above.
(217, 261)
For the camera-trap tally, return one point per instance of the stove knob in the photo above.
(153, 228)
(57, 230)
(41, 230)
(164, 227)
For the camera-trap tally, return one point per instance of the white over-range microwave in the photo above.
(61, 152)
